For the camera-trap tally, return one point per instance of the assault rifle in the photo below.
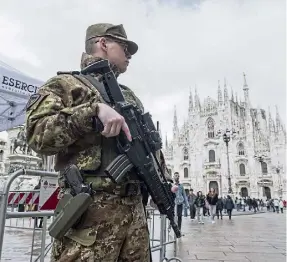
(140, 153)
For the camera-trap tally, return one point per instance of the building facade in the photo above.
(228, 145)
(15, 154)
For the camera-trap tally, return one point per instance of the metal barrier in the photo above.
(165, 235)
(4, 214)
(29, 197)
(157, 244)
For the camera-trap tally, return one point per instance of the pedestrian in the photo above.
(219, 207)
(276, 205)
(186, 208)
(243, 204)
(281, 205)
(229, 205)
(254, 204)
(199, 203)
(191, 200)
(212, 198)
(62, 119)
(180, 199)
(268, 204)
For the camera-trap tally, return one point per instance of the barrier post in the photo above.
(4, 203)
(33, 237)
(43, 239)
(4, 197)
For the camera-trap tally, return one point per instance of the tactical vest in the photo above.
(93, 161)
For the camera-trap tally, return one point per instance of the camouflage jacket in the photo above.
(59, 122)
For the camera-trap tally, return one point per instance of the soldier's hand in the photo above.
(112, 121)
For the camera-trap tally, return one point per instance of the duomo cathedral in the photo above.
(230, 146)
(225, 144)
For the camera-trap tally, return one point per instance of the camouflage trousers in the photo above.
(114, 230)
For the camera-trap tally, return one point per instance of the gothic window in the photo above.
(185, 172)
(242, 169)
(211, 156)
(185, 154)
(210, 128)
(241, 149)
(264, 168)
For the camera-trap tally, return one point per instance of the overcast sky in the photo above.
(180, 46)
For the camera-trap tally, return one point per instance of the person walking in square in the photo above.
(212, 198)
(229, 205)
(191, 200)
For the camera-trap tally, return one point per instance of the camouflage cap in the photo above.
(113, 31)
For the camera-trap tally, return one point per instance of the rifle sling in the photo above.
(96, 84)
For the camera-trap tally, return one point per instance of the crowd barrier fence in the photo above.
(159, 239)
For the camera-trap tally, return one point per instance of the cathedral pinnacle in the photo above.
(219, 94)
(190, 105)
(270, 121)
(196, 101)
(225, 92)
(246, 92)
(175, 126)
(278, 120)
(245, 82)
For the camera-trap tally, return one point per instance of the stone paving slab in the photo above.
(252, 238)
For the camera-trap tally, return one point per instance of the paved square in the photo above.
(256, 238)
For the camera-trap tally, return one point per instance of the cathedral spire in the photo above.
(246, 92)
(232, 96)
(236, 98)
(225, 92)
(196, 101)
(174, 117)
(270, 120)
(278, 120)
(219, 94)
(190, 104)
(175, 126)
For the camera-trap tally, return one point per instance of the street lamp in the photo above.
(280, 182)
(226, 138)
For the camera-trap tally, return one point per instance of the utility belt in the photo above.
(100, 183)
(71, 209)
(126, 190)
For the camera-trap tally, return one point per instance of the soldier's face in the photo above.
(117, 54)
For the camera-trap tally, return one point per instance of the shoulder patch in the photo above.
(33, 100)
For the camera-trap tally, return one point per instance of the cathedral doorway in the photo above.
(214, 185)
(244, 192)
(267, 192)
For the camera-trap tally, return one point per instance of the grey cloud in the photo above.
(179, 46)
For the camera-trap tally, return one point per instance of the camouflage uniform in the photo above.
(60, 121)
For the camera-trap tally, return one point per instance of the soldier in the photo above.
(61, 119)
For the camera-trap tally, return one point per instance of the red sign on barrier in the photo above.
(49, 191)
(30, 198)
